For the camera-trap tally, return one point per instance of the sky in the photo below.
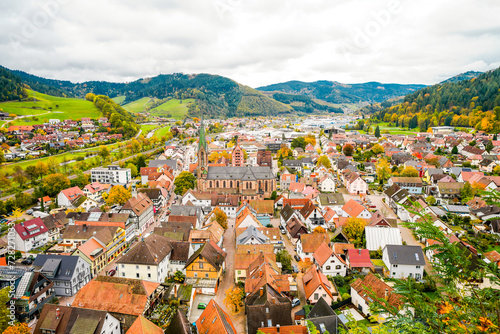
(255, 42)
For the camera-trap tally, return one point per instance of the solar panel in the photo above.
(416, 257)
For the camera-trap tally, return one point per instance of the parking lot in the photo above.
(195, 312)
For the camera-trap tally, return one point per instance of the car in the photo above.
(281, 227)
(27, 262)
(295, 268)
(112, 272)
(202, 306)
(296, 257)
(29, 211)
(295, 302)
(283, 232)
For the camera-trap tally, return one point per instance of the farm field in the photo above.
(162, 132)
(119, 99)
(173, 107)
(138, 105)
(49, 107)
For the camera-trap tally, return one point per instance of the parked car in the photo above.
(29, 211)
(27, 262)
(295, 302)
(202, 306)
(283, 232)
(112, 272)
(296, 257)
(295, 268)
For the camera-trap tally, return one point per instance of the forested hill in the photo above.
(474, 103)
(215, 95)
(11, 86)
(335, 92)
(463, 76)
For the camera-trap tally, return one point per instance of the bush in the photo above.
(80, 158)
(345, 296)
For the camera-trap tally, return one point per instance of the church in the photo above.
(248, 182)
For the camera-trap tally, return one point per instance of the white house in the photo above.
(328, 262)
(327, 184)
(354, 184)
(355, 210)
(309, 243)
(317, 285)
(67, 196)
(30, 234)
(149, 260)
(198, 198)
(404, 261)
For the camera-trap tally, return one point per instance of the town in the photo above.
(253, 225)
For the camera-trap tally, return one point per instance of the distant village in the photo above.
(267, 226)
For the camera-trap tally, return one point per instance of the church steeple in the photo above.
(202, 153)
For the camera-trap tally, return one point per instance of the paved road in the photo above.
(229, 243)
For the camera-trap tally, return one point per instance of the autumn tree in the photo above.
(383, 170)
(319, 229)
(117, 195)
(184, 181)
(4, 311)
(41, 169)
(20, 178)
(409, 171)
(285, 259)
(377, 149)
(20, 328)
(324, 161)
(234, 299)
(310, 139)
(90, 97)
(54, 183)
(354, 230)
(284, 151)
(220, 217)
(348, 150)
(104, 153)
(431, 200)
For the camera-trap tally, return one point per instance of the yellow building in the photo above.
(206, 262)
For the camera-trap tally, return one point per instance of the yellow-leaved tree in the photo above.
(354, 229)
(234, 299)
(117, 195)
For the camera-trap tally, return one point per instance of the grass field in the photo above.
(147, 127)
(138, 105)
(174, 107)
(59, 158)
(393, 130)
(119, 99)
(61, 108)
(162, 132)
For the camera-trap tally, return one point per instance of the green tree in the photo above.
(489, 146)
(141, 162)
(377, 132)
(4, 311)
(467, 192)
(299, 142)
(454, 150)
(431, 200)
(104, 153)
(285, 259)
(20, 178)
(133, 169)
(183, 182)
(54, 183)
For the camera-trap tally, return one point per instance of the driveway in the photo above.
(195, 312)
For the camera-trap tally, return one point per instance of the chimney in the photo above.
(277, 328)
(359, 250)
(58, 313)
(386, 293)
(261, 291)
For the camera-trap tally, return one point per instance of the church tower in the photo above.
(202, 154)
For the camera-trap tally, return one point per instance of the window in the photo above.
(267, 309)
(136, 267)
(337, 267)
(394, 265)
(239, 272)
(393, 274)
(327, 267)
(123, 274)
(137, 275)
(123, 266)
(206, 275)
(149, 267)
(316, 296)
(269, 323)
(149, 275)
(201, 265)
(67, 291)
(215, 318)
(418, 267)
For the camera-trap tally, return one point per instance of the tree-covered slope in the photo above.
(11, 86)
(335, 92)
(463, 76)
(474, 103)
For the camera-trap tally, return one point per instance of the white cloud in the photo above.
(255, 42)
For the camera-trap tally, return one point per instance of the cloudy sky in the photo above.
(255, 42)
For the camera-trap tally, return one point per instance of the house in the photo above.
(449, 190)
(141, 211)
(312, 216)
(67, 196)
(324, 318)
(179, 324)
(412, 184)
(294, 229)
(68, 273)
(363, 291)
(246, 219)
(227, 203)
(359, 259)
(286, 179)
(327, 184)
(334, 201)
(95, 190)
(309, 243)
(251, 236)
(213, 320)
(264, 270)
(378, 237)
(148, 260)
(197, 198)
(124, 297)
(30, 234)
(328, 262)
(60, 319)
(487, 212)
(54, 223)
(404, 261)
(267, 307)
(206, 262)
(317, 285)
(354, 184)
(32, 292)
(286, 214)
(156, 196)
(93, 251)
(355, 210)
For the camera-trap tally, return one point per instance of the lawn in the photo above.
(138, 105)
(147, 127)
(119, 99)
(173, 107)
(393, 130)
(162, 132)
(59, 158)
(51, 107)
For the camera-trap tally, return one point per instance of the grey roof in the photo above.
(431, 171)
(250, 232)
(457, 208)
(188, 210)
(240, 173)
(437, 211)
(400, 195)
(378, 237)
(292, 163)
(321, 309)
(66, 267)
(159, 163)
(331, 199)
(409, 255)
(287, 212)
(325, 318)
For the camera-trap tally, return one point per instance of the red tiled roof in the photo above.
(359, 258)
(30, 228)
